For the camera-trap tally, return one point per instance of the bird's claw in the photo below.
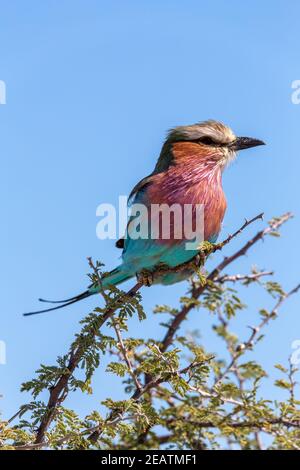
(145, 278)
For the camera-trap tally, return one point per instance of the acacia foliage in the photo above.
(177, 393)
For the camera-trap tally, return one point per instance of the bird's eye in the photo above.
(207, 141)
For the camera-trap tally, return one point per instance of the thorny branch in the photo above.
(59, 392)
(249, 343)
(214, 274)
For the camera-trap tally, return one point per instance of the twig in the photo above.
(247, 222)
(258, 440)
(125, 355)
(255, 330)
(258, 425)
(243, 277)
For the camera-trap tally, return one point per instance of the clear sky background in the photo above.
(92, 86)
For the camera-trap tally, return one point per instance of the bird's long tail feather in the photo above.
(115, 277)
(70, 301)
(83, 295)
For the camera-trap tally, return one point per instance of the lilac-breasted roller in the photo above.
(188, 172)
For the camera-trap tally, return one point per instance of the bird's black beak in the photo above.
(241, 143)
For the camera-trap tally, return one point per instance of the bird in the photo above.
(188, 172)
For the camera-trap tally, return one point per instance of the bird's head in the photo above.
(214, 140)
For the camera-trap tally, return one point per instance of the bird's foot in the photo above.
(145, 277)
(206, 248)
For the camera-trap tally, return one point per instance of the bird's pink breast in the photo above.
(191, 181)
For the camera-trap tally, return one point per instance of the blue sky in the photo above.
(91, 89)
